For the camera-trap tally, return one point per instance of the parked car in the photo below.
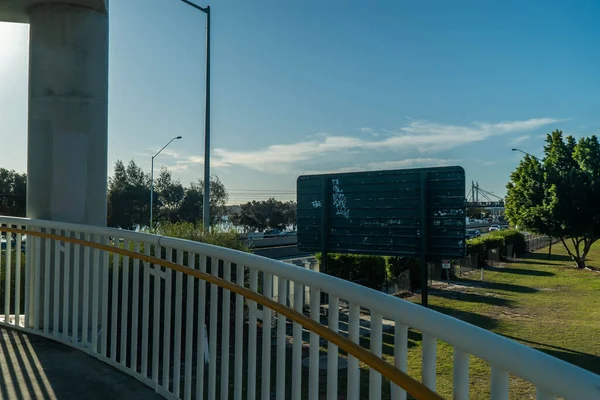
(495, 228)
(271, 233)
(472, 233)
(288, 233)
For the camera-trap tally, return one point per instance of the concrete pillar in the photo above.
(68, 107)
(67, 132)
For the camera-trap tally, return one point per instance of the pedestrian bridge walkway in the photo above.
(36, 368)
(90, 311)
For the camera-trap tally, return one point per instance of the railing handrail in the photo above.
(563, 379)
(395, 375)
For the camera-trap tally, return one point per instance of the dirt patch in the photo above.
(514, 315)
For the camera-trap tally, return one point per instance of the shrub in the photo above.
(475, 246)
(514, 238)
(366, 270)
(197, 233)
(493, 242)
(395, 266)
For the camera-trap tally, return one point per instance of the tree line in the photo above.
(129, 201)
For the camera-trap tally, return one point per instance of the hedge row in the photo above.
(497, 240)
(370, 271)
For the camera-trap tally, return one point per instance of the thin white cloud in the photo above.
(520, 139)
(422, 136)
(385, 165)
(416, 137)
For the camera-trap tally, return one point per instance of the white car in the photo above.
(494, 228)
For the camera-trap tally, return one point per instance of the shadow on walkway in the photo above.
(36, 368)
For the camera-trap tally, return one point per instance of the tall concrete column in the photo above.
(68, 106)
(67, 131)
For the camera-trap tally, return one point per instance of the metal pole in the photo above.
(423, 233)
(206, 197)
(151, 191)
(152, 177)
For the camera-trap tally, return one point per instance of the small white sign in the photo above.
(446, 264)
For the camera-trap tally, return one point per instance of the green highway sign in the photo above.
(408, 212)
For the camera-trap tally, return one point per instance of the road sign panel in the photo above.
(399, 212)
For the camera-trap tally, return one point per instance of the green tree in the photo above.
(191, 207)
(170, 196)
(13, 191)
(129, 197)
(559, 196)
(260, 215)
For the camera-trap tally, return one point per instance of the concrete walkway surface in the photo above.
(32, 367)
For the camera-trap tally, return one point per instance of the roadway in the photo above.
(285, 248)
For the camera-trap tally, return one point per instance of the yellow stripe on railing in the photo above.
(400, 378)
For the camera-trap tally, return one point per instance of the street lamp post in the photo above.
(526, 153)
(206, 197)
(152, 179)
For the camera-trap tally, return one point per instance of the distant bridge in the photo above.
(485, 204)
(480, 198)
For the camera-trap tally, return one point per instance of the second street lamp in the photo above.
(526, 153)
(152, 178)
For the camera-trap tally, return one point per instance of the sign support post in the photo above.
(423, 234)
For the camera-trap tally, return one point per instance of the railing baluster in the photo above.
(7, 277)
(499, 389)
(105, 281)
(400, 356)
(38, 284)
(429, 361)
(76, 284)
(200, 334)
(96, 295)
(46, 286)
(66, 284)
(212, 336)
(156, 319)
(313, 369)
(297, 344)
(29, 285)
(86, 292)
(226, 320)
(252, 306)
(177, 330)
(460, 380)
(135, 301)
(353, 366)
(376, 342)
(124, 305)
(18, 282)
(189, 329)
(56, 286)
(115, 304)
(239, 335)
(541, 394)
(332, 349)
(281, 341)
(145, 311)
(166, 374)
(265, 387)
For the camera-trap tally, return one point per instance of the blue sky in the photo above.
(336, 85)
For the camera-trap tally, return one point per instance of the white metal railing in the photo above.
(191, 339)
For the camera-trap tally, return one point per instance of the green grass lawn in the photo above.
(545, 304)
